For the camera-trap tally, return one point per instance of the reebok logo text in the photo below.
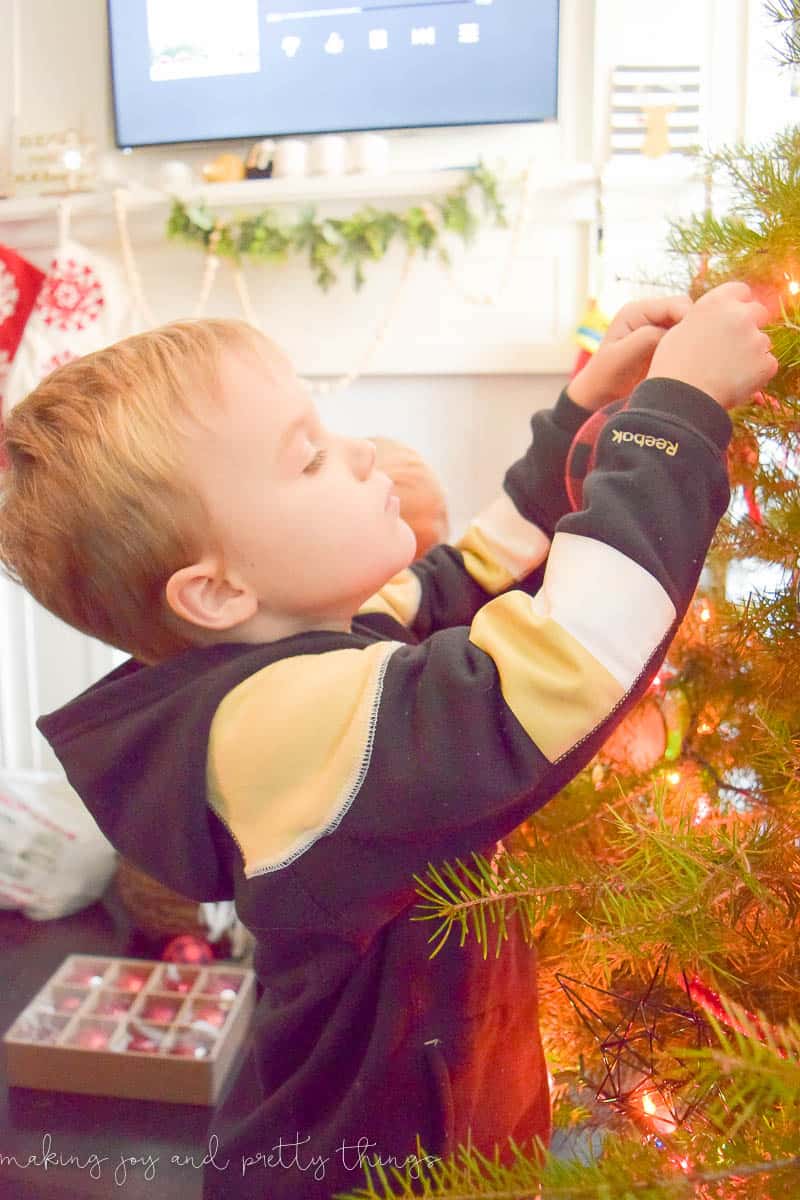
(619, 436)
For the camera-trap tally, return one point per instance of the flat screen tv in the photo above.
(203, 70)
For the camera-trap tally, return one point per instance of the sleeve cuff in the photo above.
(687, 404)
(568, 415)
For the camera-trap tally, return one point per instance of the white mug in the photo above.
(175, 175)
(369, 152)
(328, 155)
(290, 158)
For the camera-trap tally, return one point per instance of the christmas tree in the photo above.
(662, 886)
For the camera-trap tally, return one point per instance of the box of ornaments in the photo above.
(132, 1027)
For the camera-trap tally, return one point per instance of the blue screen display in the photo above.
(201, 70)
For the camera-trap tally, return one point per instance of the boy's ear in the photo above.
(202, 595)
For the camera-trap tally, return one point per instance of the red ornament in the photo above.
(210, 1013)
(92, 1038)
(187, 949)
(583, 451)
(224, 986)
(160, 1011)
(113, 1005)
(68, 1002)
(714, 1004)
(175, 980)
(142, 1044)
(85, 975)
(131, 980)
(191, 1046)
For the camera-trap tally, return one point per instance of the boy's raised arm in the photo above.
(505, 544)
(502, 545)
(413, 754)
(417, 754)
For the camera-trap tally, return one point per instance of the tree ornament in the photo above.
(159, 913)
(732, 1015)
(742, 466)
(742, 457)
(638, 1036)
(654, 731)
(583, 451)
(187, 948)
(640, 741)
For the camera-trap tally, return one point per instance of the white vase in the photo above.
(369, 152)
(328, 155)
(290, 158)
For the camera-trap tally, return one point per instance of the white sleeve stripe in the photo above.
(613, 607)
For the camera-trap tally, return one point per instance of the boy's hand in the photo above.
(719, 346)
(622, 359)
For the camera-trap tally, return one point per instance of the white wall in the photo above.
(469, 425)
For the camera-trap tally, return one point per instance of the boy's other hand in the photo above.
(719, 346)
(622, 359)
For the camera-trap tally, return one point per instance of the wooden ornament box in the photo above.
(129, 1027)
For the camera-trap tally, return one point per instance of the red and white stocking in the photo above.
(83, 305)
(20, 284)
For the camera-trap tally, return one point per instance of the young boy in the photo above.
(298, 733)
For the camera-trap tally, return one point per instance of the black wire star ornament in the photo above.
(634, 1033)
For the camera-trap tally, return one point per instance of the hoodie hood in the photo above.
(134, 747)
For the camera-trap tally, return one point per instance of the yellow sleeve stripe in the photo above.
(555, 688)
(500, 546)
(399, 598)
(568, 655)
(289, 749)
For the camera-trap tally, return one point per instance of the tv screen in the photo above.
(201, 70)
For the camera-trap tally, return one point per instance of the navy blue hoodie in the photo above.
(314, 779)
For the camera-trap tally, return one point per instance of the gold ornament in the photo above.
(226, 168)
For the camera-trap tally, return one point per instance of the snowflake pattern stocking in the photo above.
(82, 306)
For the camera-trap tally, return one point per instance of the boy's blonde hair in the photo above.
(97, 509)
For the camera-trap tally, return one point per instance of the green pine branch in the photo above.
(625, 1171)
(659, 881)
(786, 15)
(753, 1070)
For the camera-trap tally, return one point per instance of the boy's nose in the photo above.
(363, 456)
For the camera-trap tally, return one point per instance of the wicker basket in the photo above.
(154, 909)
(161, 914)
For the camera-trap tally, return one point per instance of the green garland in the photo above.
(266, 237)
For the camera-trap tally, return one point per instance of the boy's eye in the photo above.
(316, 463)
